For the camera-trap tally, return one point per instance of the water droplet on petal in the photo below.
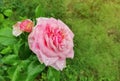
(62, 64)
(47, 61)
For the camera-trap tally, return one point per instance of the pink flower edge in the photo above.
(16, 29)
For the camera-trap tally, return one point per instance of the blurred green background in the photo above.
(96, 25)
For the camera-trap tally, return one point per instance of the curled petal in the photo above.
(16, 29)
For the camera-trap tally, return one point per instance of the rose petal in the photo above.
(70, 54)
(59, 64)
(41, 20)
(61, 24)
(16, 29)
(47, 60)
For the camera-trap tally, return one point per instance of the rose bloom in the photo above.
(24, 26)
(52, 41)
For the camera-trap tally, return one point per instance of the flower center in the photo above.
(29, 25)
(55, 34)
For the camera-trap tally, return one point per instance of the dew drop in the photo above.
(47, 60)
(62, 64)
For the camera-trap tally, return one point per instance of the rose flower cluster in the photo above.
(50, 39)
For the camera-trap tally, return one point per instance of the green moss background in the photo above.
(96, 25)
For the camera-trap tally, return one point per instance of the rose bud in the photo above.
(24, 26)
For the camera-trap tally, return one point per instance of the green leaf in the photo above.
(10, 59)
(24, 51)
(6, 50)
(8, 12)
(39, 11)
(1, 70)
(1, 3)
(11, 71)
(6, 37)
(1, 17)
(15, 73)
(1, 78)
(53, 75)
(34, 69)
(16, 46)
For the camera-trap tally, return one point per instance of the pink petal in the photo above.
(70, 54)
(47, 60)
(59, 64)
(61, 24)
(26, 25)
(16, 29)
(42, 20)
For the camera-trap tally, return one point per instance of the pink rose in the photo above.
(24, 26)
(52, 41)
